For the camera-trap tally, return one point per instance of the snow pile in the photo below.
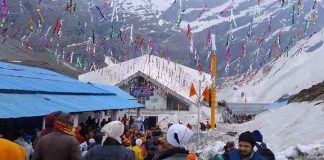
(210, 143)
(298, 123)
(283, 129)
(303, 152)
(287, 75)
(216, 147)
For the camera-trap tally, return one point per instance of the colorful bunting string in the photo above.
(203, 10)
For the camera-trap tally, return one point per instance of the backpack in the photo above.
(264, 151)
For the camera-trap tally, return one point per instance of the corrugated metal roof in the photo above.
(17, 77)
(26, 105)
(42, 93)
(115, 89)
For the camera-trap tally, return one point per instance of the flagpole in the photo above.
(192, 93)
(213, 94)
(199, 106)
(213, 89)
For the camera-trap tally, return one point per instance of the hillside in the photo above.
(314, 93)
(127, 29)
(287, 76)
(13, 53)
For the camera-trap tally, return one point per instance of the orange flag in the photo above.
(205, 94)
(192, 90)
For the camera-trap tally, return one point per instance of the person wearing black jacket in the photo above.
(112, 148)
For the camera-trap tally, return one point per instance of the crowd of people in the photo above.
(117, 140)
(205, 127)
(240, 118)
(107, 140)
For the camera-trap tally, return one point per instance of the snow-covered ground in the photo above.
(297, 123)
(303, 152)
(295, 130)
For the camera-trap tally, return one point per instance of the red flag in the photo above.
(192, 91)
(208, 37)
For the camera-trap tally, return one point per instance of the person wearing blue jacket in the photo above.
(245, 152)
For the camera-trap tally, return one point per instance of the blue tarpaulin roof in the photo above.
(277, 105)
(115, 89)
(28, 91)
(17, 77)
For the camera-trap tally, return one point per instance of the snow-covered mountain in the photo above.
(160, 27)
(266, 21)
(288, 75)
(255, 34)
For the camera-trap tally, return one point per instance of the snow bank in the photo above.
(303, 152)
(294, 131)
(298, 123)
